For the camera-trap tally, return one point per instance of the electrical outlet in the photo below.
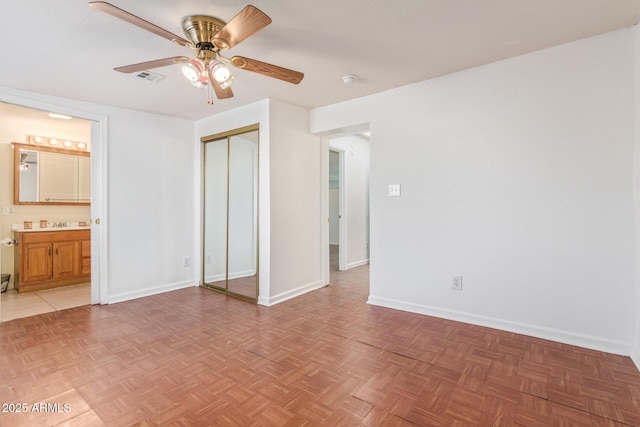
(186, 261)
(394, 190)
(208, 259)
(7, 210)
(456, 283)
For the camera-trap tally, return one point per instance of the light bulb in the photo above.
(67, 143)
(199, 84)
(227, 83)
(202, 81)
(60, 116)
(192, 70)
(219, 71)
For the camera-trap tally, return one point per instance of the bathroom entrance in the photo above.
(47, 211)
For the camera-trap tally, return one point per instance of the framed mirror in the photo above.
(230, 240)
(50, 176)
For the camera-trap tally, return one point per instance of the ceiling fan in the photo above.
(208, 36)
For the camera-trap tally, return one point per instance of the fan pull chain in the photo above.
(209, 95)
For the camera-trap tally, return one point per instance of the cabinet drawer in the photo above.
(86, 266)
(86, 248)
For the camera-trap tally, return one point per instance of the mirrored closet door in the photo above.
(230, 258)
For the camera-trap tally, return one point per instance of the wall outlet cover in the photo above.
(456, 283)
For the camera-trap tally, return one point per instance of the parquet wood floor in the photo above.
(245, 286)
(196, 358)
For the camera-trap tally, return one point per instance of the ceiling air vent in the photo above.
(148, 75)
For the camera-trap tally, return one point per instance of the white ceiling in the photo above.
(67, 49)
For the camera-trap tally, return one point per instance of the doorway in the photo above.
(346, 202)
(20, 118)
(337, 248)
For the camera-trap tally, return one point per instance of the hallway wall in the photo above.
(517, 175)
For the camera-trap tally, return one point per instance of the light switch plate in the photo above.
(394, 190)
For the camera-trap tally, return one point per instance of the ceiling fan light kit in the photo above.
(197, 72)
(208, 36)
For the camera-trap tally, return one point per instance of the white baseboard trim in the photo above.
(215, 278)
(357, 263)
(566, 337)
(223, 277)
(635, 356)
(281, 297)
(240, 274)
(126, 296)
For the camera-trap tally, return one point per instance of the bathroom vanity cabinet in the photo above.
(48, 259)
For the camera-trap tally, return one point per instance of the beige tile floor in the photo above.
(14, 305)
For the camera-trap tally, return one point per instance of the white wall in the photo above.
(296, 203)
(636, 181)
(151, 204)
(356, 187)
(518, 176)
(150, 218)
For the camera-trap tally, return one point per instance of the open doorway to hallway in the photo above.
(347, 202)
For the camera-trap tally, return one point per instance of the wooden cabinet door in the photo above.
(36, 262)
(66, 259)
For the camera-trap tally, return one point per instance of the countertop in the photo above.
(39, 230)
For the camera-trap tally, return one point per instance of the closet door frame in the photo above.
(219, 137)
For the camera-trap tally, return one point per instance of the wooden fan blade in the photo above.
(220, 93)
(112, 10)
(268, 70)
(141, 66)
(248, 21)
